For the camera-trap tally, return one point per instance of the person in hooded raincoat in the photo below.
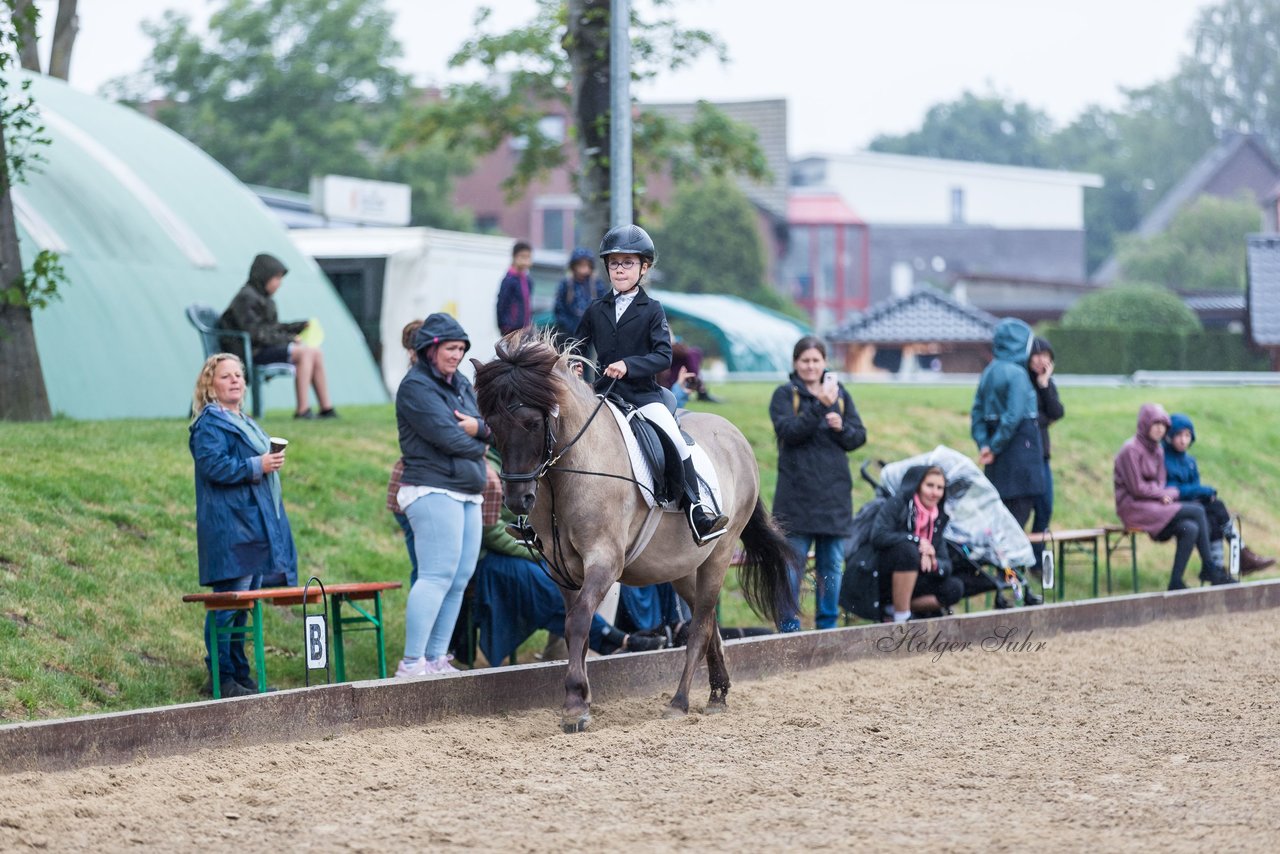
(1003, 422)
(253, 310)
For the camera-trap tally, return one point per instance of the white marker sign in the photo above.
(317, 643)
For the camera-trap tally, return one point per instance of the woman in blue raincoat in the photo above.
(242, 530)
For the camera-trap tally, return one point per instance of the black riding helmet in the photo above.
(629, 240)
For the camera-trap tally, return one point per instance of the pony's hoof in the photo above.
(578, 724)
(716, 707)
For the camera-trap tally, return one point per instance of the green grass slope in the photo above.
(97, 528)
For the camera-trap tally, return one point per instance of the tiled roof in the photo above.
(1215, 302)
(923, 315)
(1193, 184)
(1264, 289)
(806, 207)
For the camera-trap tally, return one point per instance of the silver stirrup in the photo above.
(698, 539)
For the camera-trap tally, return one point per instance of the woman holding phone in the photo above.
(242, 530)
(817, 426)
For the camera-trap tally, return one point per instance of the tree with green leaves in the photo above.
(66, 25)
(986, 128)
(708, 242)
(1203, 249)
(281, 90)
(1132, 306)
(23, 396)
(1233, 66)
(561, 58)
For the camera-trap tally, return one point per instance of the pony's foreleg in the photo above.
(576, 713)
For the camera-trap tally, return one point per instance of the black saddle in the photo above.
(662, 458)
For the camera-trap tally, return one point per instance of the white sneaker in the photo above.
(420, 667)
(440, 665)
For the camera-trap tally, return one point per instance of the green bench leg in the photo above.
(259, 652)
(377, 631)
(259, 648)
(1133, 557)
(339, 657)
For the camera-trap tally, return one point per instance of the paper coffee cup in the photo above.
(278, 444)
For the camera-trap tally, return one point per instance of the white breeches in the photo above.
(659, 416)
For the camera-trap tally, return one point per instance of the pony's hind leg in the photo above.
(717, 671)
(701, 626)
(579, 608)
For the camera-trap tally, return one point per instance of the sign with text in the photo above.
(359, 200)
(317, 651)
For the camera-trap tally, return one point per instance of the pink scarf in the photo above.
(925, 517)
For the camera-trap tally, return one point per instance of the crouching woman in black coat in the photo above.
(911, 556)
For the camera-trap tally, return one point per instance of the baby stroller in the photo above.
(986, 549)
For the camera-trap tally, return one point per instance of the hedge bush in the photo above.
(1123, 351)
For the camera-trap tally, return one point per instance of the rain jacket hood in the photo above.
(1177, 423)
(263, 269)
(1149, 414)
(1012, 341)
(439, 327)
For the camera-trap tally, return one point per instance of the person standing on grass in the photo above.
(442, 441)
(254, 311)
(242, 530)
(1048, 410)
(817, 426)
(515, 294)
(576, 292)
(1004, 425)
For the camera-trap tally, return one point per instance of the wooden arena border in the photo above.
(330, 710)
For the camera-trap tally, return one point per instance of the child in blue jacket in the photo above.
(1184, 474)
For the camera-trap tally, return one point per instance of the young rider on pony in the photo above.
(632, 341)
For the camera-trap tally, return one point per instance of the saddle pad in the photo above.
(709, 488)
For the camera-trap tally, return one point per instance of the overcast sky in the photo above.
(849, 69)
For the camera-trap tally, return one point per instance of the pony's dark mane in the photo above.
(523, 370)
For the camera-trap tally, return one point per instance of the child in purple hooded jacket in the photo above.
(1146, 502)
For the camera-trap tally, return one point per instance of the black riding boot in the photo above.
(705, 523)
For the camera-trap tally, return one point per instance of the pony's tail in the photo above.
(764, 576)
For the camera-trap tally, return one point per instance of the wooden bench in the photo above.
(1076, 541)
(251, 600)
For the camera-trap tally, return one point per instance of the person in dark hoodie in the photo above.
(1183, 473)
(242, 529)
(911, 555)
(442, 441)
(817, 426)
(253, 310)
(1146, 502)
(1003, 422)
(1048, 410)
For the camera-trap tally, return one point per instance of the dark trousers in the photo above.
(1190, 527)
(1218, 515)
(232, 662)
(1043, 509)
(1021, 507)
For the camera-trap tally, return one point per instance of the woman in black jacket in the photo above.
(817, 426)
(443, 442)
(911, 556)
(1048, 410)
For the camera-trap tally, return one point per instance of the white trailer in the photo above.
(424, 270)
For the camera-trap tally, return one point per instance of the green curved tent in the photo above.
(146, 224)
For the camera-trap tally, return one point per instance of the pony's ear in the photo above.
(476, 363)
